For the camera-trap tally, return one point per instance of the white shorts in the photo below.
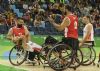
(33, 47)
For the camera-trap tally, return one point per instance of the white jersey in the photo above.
(91, 36)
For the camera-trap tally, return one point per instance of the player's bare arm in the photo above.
(10, 34)
(62, 26)
(27, 33)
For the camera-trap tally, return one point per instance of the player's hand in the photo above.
(80, 44)
(51, 20)
(15, 39)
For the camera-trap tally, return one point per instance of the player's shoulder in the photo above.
(73, 16)
(89, 24)
(13, 27)
(24, 27)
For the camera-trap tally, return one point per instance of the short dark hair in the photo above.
(89, 17)
(68, 7)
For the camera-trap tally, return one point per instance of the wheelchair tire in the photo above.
(60, 49)
(12, 55)
(92, 57)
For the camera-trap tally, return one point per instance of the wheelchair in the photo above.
(17, 54)
(89, 54)
(62, 56)
(58, 55)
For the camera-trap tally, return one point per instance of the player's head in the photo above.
(20, 22)
(68, 8)
(86, 19)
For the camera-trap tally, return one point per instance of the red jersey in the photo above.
(72, 29)
(18, 31)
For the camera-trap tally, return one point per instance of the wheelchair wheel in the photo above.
(98, 64)
(17, 55)
(77, 59)
(93, 55)
(89, 55)
(59, 57)
(86, 55)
